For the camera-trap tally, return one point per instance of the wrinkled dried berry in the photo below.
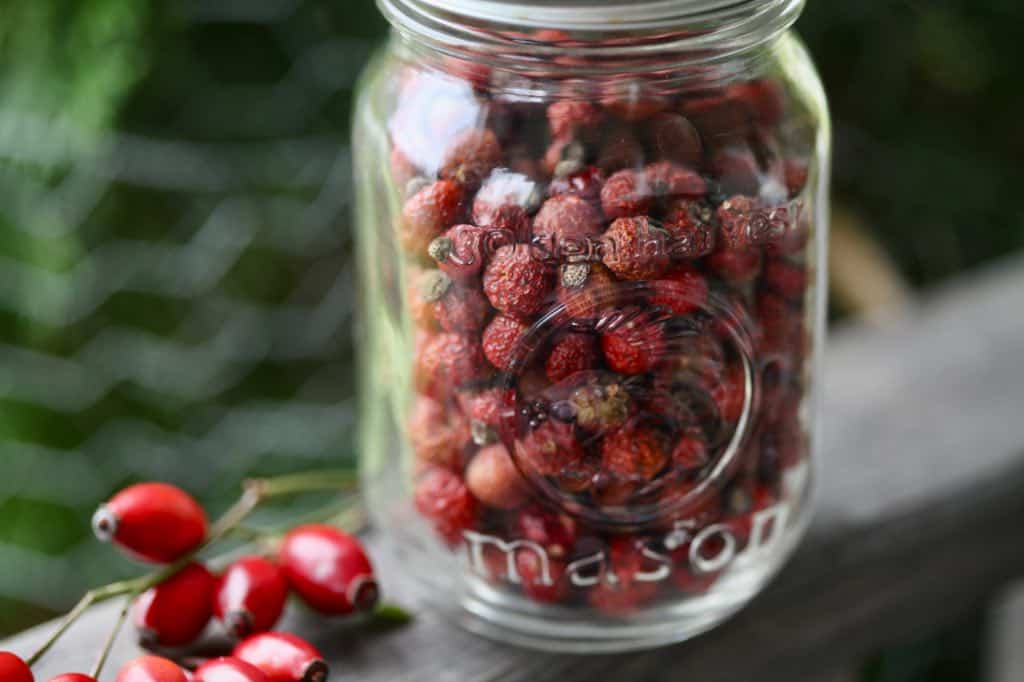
(627, 193)
(501, 340)
(549, 449)
(518, 281)
(692, 228)
(493, 478)
(447, 361)
(471, 156)
(674, 138)
(636, 249)
(573, 353)
(446, 502)
(438, 437)
(635, 452)
(565, 218)
(633, 345)
(428, 213)
(566, 118)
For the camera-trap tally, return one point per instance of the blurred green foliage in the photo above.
(927, 105)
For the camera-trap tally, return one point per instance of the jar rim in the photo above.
(614, 15)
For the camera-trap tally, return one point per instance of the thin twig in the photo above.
(112, 637)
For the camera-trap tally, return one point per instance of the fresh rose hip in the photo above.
(518, 280)
(153, 522)
(226, 669)
(329, 569)
(445, 501)
(66, 677)
(282, 657)
(13, 669)
(250, 596)
(151, 669)
(176, 611)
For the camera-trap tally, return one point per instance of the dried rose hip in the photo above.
(471, 156)
(564, 218)
(674, 138)
(763, 97)
(636, 249)
(622, 591)
(627, 193)
(683, 290)
(567, 118)
(668, 180)
(438, 437)
(737, 171)
(573, 353)
(460, 306)
(785, 278)
(518, 280)
(718, 118)
(620, 149)
(553, 532)
(636, 452)
(549, 449)
(447, 361)
(585, 289)
(633, 344)
(493, 478)
(461, 251)
(549, 588)
(692, 228)
(585, 183)
(736, 266)
(501, 340)
(428, 213)
(446, 502)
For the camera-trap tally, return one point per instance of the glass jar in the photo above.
(591, 240)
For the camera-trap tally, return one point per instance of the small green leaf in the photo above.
(391, 615)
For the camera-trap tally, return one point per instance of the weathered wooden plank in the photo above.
(918, 520)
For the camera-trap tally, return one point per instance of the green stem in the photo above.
(255, 492)
(112, 637)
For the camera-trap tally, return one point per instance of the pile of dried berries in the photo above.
(610, 295)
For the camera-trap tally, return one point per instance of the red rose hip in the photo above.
(153, 522)
(282, 657)
(250, 596)
(71, 677)
(176, 611)
(151, 669)
(444, 500)
(227, 669)
(329, 569)
(13, 669)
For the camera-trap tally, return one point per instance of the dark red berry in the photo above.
(553, 532)
(622, 592)
(567, 118)
(493, 478)
(447, 361)
(176, 611)
(634, 453)
(690, 453)
(736, 266)
(428, 213)
(549, 449)
(151, 669)
(518, 281)
(501, 340)
(438, 436)
(692, 228)
(737, 171)
(636, 249)
(282, 657)
(549, 588)
(674, 138)
(250, 596)
(683, 290)
(329, 569)
(446, 502)
(565, 218)
(153, 522)
(573, 353)
(620, 149)
(462, 307)
(730, 394)
(739, 222)
(585, 183)
(623, 101)
(13, 669)
(626, 193)
(668, 180)
(227, 669)
(718, 118)
(461, 251)
(633, 344)
(486, 411)
(471, 156)
(796, 172)
(763, 97)
(788, 279)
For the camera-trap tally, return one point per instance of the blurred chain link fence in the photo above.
(175, 289)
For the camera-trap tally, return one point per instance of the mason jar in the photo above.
(591, 236)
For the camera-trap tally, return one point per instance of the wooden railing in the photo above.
(920, 520)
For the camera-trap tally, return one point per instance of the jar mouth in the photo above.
(604, 35)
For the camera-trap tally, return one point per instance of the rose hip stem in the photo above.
(254, 492)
